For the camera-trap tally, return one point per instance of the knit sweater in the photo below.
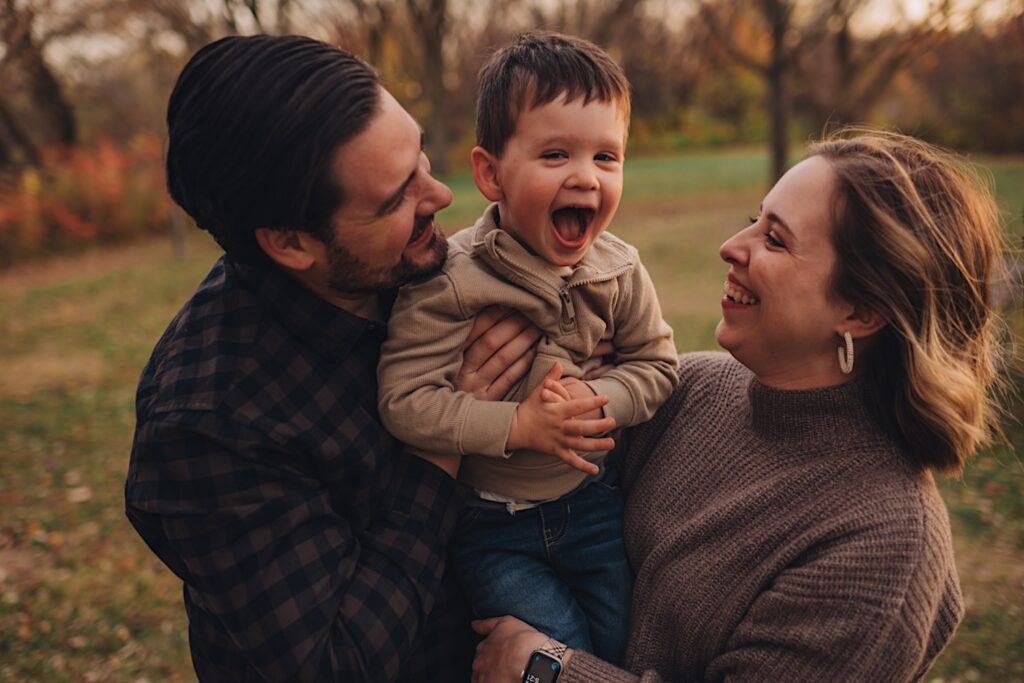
(778, 535)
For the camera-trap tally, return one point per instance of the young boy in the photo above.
(542, 539)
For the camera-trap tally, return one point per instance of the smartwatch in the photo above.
(545, 663)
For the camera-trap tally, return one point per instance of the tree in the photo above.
(429, 25)
(31, 91)
(809, 53)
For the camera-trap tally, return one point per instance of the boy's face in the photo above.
(559, 180)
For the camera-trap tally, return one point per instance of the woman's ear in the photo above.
(485, 174)
(290, 249)
(862, 322)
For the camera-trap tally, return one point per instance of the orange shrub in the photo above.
(79, 195)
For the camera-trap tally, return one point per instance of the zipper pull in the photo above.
(568, 311)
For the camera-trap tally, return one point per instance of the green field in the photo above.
(82, 599)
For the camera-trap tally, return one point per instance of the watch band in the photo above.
(554, 648)
(545, 664)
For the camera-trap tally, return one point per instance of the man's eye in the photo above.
(753, 219)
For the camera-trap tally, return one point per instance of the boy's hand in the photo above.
(549, 421)
(578, 389)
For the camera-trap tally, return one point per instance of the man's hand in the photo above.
(549, 421)
(504, 653)
(499, 352)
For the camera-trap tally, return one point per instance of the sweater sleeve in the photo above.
(419, 362)
(584, 667)
(868, 606)
(646, 361)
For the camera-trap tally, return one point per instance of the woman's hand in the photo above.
(499, 352)
(503, 654)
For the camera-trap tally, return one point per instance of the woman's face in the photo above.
(777, 316)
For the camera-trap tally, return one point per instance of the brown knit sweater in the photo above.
(778, 536)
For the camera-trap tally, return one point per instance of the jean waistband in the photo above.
(512, 507)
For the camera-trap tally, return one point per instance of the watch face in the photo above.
(542, 669)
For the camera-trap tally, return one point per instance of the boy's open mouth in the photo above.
(572, 223)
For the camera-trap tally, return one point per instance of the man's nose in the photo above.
(437, 196)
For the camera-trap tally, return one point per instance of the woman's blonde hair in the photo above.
(919, 242)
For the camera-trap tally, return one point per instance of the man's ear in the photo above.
(291, 249)
(862, 322)
(485, 174)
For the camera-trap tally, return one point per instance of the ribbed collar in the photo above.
(327, 329)
(829, 413)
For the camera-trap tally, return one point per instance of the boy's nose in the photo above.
(583, 177)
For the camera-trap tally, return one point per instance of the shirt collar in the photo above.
(327, 329)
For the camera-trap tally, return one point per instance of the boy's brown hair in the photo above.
(536, 69)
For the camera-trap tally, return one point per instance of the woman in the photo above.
(782, 518)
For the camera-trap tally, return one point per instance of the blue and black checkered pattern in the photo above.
(311, 547)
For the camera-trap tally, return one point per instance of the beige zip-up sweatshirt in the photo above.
(607, 296)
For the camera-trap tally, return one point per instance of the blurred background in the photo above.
(95, 260)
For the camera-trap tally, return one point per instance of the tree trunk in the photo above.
(778, 17)
(53, 109)
(430, 23)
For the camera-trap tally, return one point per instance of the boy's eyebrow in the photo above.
(612, 140)
(395, 197)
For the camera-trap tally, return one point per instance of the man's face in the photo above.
(383, 234)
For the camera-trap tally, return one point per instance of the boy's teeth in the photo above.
(739, 297)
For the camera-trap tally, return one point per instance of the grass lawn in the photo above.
(82, 599)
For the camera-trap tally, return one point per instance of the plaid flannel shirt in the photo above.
(310, 546)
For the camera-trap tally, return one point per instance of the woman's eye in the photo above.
(772, 241)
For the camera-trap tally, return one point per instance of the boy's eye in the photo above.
(605, 156)
(553, 155)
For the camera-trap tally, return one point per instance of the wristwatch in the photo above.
(545, 663)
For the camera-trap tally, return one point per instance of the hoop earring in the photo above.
(846, 359)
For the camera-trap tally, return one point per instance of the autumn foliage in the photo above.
(79, 195)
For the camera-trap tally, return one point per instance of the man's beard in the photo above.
(350, 274)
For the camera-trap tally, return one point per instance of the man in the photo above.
(310, 545)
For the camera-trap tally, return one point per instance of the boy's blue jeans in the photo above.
(560, 567)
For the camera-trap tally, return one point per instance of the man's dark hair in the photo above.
(253, 123)
(536, 69)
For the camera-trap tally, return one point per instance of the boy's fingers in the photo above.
(585, 445)
(555, 373)
(549, 396)
(588, 427)
(579, 406)
(557, 388)
(570, 457)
